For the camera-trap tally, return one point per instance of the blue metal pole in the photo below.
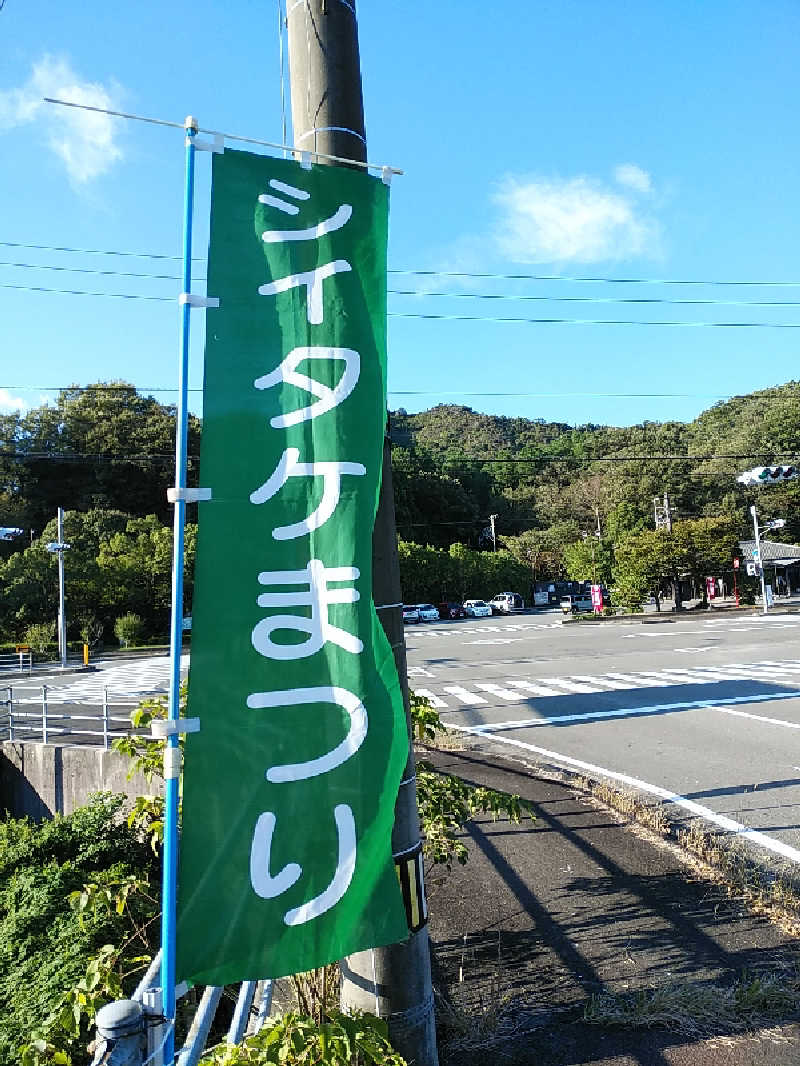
(171, 755)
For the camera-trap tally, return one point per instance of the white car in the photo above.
(477, 609)
(410, 615)
(427, 612)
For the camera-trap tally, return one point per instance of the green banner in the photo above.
(290, 784)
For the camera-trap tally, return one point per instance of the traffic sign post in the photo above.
(757, 557)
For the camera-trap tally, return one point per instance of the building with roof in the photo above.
(781, 560)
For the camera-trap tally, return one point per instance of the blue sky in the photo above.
(592, 139)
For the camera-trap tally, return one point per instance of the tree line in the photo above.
(570, 502)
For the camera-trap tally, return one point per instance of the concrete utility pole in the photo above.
(754, 513)
(328, 116)
(492, 520)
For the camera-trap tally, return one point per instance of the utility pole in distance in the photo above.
(58, 547)
(328, 116)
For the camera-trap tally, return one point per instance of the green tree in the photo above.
(590, 559)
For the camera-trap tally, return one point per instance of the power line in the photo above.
(595, 299)
(595, 321)
(102, 387)
(484, 275)
(83, 292)
(574, 279)
(633, 300)
(767, 456)
(450, 318)
(99, 273)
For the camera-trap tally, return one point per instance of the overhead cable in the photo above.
(449, 318)
(486, 275)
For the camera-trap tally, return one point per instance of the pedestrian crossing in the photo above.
(420, 631)
(446, 696)
(124, 683)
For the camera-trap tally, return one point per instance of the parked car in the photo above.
(410, 615)
(578, 603)
(506, 603)
(451, 610)
(477, 609)
(427, 612)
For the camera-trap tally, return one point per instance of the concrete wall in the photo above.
(40, 780)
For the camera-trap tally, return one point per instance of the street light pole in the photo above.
(760, 560)
(58, 547)
(62, 611)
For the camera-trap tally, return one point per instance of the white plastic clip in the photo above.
(188, 495)
(305, 160)
(217, 145)
(386, 175)
(164, 727)
(198, 301)
(172, 763)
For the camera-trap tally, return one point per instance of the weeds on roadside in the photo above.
(751, 1002)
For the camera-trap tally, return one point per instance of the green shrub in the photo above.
(128, 629)
(294, 1040)
(40, 636)
(60, 883)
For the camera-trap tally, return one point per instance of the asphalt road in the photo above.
(702, 712)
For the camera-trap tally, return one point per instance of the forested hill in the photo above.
(566, 500)
(454, 466)
(108, 447)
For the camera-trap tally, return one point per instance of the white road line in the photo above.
(498, 690)
(535, 688)
(570, 686)
(722, 705)
(598, 679)
(435, 701)
(737, 828)
(463, 694)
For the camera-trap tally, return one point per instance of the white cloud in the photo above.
(85, 142)
(9, 403)
(633, 177)
(577, 220)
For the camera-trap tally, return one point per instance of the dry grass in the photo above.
(697, 1011)
(769, 890)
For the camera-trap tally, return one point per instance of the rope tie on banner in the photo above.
(386, 606)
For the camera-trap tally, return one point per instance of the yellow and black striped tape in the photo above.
(410, 874)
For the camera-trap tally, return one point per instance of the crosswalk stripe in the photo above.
(434, 700)
(534, 688)
(498, 690)
(570, 686)
(463, 694)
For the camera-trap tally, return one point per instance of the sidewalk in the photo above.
(543, 917)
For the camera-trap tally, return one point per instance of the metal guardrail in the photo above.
(18, 661)
(46, 725)
(134, 1031)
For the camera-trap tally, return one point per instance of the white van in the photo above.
(578, 603)
(506, 603)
